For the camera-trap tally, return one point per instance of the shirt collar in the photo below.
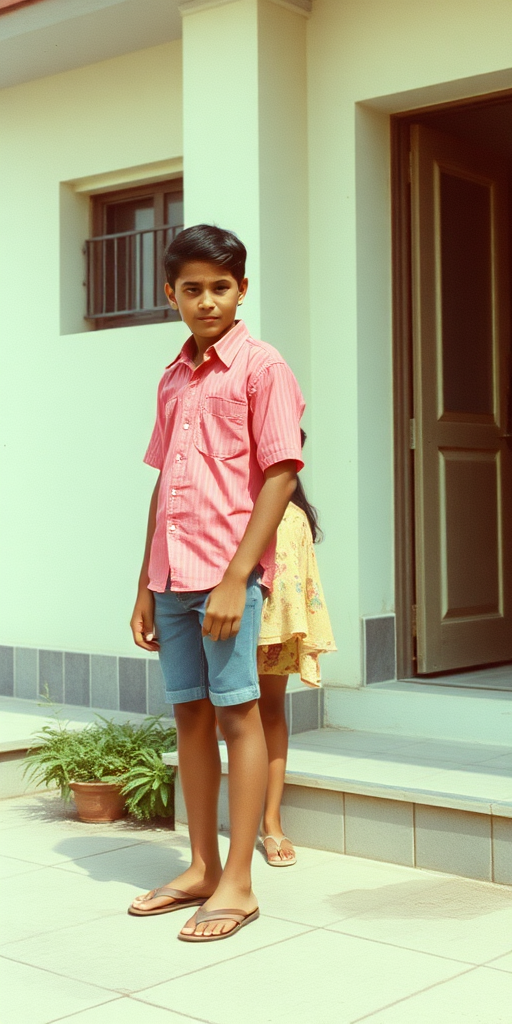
(226, 349)
(228, 346)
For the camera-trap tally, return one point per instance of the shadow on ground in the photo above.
(450, 898)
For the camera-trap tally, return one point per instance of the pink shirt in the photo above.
(218, 427)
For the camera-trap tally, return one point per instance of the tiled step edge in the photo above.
(443, 832)
(416, 795)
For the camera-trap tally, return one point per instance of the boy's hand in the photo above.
(224, 609)
(142, 621)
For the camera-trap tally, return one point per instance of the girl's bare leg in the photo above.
(247, 754)
(199, 765)
(272, 704)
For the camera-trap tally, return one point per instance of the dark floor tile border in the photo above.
(129, 684)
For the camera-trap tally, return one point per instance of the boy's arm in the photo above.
(141, 623)
(227, 601)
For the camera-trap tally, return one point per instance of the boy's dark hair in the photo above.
(208, 244)
(299, 498)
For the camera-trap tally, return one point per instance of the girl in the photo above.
(295, 629)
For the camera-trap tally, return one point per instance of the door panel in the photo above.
(469, 496)
(463, 475)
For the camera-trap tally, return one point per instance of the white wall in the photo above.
(77, 408)
(75, 438)
(246, 163)
(367, 58)
(283, 168)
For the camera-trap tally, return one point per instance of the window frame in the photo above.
(98, 226)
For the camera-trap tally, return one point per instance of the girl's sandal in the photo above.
(239, 916)
(181, 899)
(288, 861)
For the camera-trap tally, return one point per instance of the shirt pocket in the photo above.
(221, 428)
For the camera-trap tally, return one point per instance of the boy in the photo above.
(227, 445)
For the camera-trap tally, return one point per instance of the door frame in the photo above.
(401, 268)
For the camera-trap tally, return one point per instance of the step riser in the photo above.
(12, 780)
(435, 838)
(424, 711)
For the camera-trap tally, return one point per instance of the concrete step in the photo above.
(423, 710)
(442, 805)
(21, 719)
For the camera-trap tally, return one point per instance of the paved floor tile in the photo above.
(10, 866)
(475, 780)
(127, 1010)
(503, 963)
(340, 939)
(141, 865)
(47, 900)
(157, 863)
(63, 841)
(501, 761)
(454, 917)
(458, 753)
(388, 768)
(13, 814)
(127, 953)
(479, 997)
(316, 977)
(37, 996)
(307, 858)
(346, 740)
(333, 890)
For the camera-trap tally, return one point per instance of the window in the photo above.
(125, 274)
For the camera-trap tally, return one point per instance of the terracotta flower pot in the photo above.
(98, 801)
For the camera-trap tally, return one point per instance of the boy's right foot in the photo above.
(190, 884)
(241, 900)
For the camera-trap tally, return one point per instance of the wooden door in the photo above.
(461, 346)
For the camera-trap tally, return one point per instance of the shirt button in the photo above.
(186, 426)
(172, 528)
(173, 491)
(178, 458)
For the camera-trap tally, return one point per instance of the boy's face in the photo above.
(207, 296)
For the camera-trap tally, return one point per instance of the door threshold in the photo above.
(496, 678)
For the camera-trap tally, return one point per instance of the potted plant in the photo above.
(111, 768)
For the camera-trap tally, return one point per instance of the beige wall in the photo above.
(77, 408)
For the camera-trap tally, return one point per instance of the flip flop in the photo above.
(278, 863)
(182, 899)
(220, 915)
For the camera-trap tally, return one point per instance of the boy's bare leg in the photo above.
(199, 766)
(273, 718)
(247, 754)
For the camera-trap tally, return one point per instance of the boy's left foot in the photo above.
(279, 850)
(242, 903)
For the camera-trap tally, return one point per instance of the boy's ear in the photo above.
(171, 298)
(242, 290)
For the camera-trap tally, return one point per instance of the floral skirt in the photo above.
(295, 625)
(286, 659)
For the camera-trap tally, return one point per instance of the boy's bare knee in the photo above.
(194, 715)
(237, 719)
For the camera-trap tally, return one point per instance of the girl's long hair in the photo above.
(299, 498)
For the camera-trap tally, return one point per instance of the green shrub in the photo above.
(107, 751)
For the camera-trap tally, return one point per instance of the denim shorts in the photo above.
(194, 666)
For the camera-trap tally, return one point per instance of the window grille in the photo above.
(125, 274)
